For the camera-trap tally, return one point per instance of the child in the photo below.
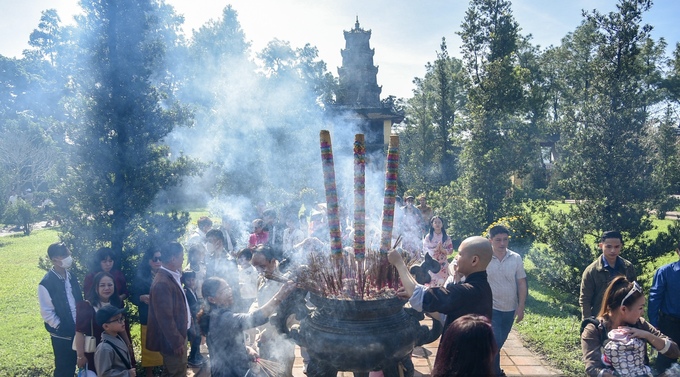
(224, 329)
(247, 278)
(196, 256)
(112, 358)
(626, 354)
(195, 358)
(247, 281)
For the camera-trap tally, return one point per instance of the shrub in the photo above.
(563, 255)
(21, 214)
(522, 230)
(464, 217)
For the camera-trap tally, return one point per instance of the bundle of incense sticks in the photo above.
(359, 197)
(271, 368)
(331, 193)
(377, 280)
(390, 194)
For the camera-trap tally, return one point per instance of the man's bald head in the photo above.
(476, 253)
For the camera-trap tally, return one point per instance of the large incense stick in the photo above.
(359, 197)
(390, 194)
(333, 209)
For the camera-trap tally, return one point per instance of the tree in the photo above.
(27, 155)
(31, 113)
(118, 160)
(46, 38)
(537, 80)
(672, 82)
(496, 104)
(252, 116)
(605, 162)
(666, 162)
(22, 214)
(430, 138)
(213, 49)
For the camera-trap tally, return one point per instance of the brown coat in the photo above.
(167, 322)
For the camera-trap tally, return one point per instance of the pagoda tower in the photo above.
(358, 95)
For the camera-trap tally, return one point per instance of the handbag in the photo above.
(86, 372)
(90, 341)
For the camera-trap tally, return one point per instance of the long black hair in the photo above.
(144, 270)
(466, 349)
(93, 295)
(101, 254)
(431, 233)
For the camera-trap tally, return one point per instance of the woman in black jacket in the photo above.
(150, 263)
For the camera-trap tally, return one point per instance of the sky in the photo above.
(406, 34)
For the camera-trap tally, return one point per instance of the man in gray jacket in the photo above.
(597, 276)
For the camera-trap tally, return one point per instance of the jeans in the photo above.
(64, 357)
(194, 335)
(502, 324)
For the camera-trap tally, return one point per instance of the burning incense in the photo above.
(331, 193)
(368, 279)
(359, 197)
(390, 194)
(271, 368)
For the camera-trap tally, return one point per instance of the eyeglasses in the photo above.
(636, 287)
(119, 320)
(156, 259)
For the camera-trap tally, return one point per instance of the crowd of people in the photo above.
(231, 284)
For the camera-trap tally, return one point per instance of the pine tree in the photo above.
(496, 100)
(430, 137)
(119, 162)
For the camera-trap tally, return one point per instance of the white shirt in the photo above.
(292, 237)
(247, 280)
(47, 311)
(196, 237)
(503, 276)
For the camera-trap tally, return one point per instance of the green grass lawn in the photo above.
(25, 348)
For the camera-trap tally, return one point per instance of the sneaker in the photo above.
(197, 361)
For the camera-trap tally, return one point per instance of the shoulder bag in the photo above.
(90, 341)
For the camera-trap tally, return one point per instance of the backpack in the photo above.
(598, 325)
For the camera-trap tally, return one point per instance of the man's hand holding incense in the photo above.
(395, 258)
(402, 294)
(407, 280)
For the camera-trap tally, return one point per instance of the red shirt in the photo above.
(258, 239)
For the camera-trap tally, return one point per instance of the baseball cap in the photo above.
(105, 313)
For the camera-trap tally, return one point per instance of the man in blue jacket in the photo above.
(664, 306)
